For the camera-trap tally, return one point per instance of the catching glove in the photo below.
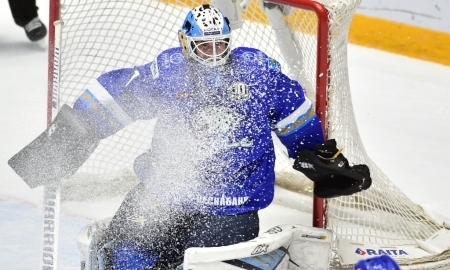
(330, 171)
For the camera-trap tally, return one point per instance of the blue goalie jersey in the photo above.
(212, 148)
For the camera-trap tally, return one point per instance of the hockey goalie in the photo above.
(210, 168)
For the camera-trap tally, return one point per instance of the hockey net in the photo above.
(94, 36)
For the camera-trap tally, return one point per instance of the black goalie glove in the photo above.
(330, 171)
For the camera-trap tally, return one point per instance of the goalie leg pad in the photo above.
(280, 248)
(57, 153)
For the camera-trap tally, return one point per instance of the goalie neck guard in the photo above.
(206, 36)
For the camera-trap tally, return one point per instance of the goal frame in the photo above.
(322, 74)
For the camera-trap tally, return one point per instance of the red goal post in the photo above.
(89, 37)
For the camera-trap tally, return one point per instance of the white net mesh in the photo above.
(101, 35)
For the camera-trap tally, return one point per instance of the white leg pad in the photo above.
(282, 247)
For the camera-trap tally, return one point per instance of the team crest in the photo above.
(239, 91)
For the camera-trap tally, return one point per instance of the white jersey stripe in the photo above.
(105, 99)
(303, 109)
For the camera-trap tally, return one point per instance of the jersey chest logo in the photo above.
(239, 91)
(211, 120)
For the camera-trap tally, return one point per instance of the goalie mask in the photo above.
(205, 36)
(331, 172)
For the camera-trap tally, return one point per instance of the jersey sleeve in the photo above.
(114, 100)
(293, 116)
(121, 96)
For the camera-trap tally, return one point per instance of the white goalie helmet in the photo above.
(206, 35)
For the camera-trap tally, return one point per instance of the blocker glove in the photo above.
(330, 171)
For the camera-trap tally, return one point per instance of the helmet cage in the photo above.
(209, 50)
